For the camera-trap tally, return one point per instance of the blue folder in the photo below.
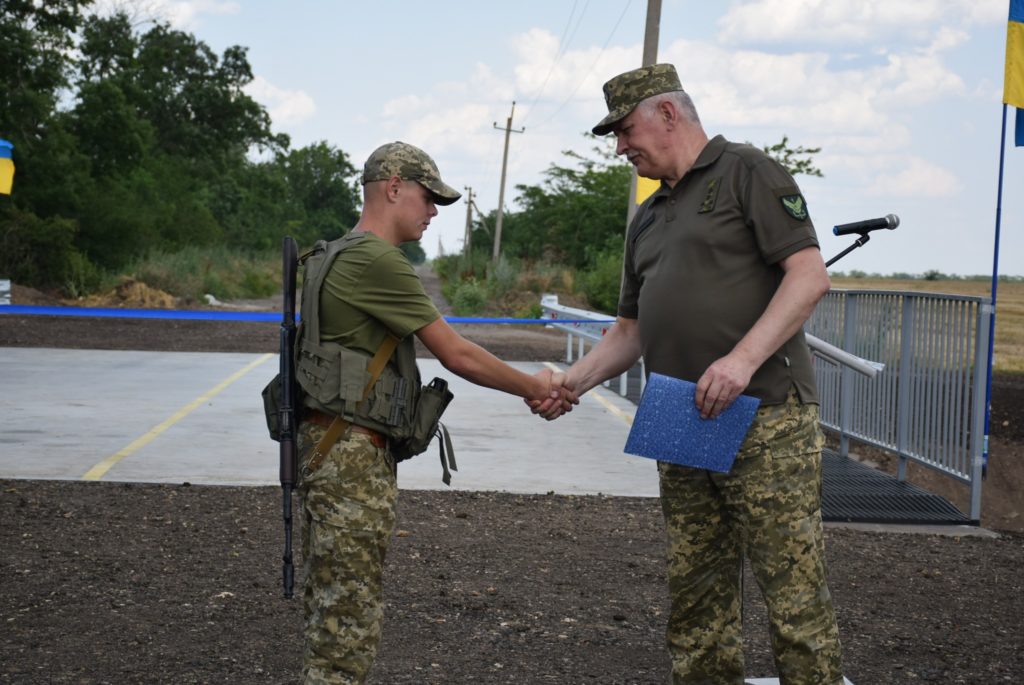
(668, 426)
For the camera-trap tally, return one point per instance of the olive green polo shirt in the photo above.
(372, 288)
(702, 262)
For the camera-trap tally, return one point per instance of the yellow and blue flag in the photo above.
(6, 167)
(1013, 83)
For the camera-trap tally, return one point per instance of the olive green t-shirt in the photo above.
(702, 263)
(372, 288)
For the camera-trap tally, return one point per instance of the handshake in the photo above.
(558, 397)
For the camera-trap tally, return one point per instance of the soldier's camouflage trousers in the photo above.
(768, 507)
(348, 514)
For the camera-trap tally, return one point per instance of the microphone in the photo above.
(889, 221)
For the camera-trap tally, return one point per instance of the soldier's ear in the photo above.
(393, 187)
(668, 112)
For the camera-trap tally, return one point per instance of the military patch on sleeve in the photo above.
(710, 196)
(795, 206)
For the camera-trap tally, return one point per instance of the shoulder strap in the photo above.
(379, 361)
(339, 425)
(313, 280)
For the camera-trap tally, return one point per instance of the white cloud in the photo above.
(576, 76)
(947, 38)
(186, 15)
(808, 90)
(180, 14)
(919, 178)
(286, 107)
(830, 22)
(401, 106)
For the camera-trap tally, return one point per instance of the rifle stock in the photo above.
(288, 413)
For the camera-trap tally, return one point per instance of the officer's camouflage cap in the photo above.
(409, 163)
(624, 92)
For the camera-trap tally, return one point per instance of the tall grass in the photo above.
(476, 284)
(225, 273)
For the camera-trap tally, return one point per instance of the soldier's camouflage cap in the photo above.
(624, 92)
(409, 163)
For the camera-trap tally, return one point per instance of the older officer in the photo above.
(721, 270)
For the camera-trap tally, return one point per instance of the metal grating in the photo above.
(854, 492)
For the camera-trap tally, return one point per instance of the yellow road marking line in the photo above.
(599, 397)
(99, 470)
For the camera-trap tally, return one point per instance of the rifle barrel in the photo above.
(288, 410)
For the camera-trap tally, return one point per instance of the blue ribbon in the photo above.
(195, 314)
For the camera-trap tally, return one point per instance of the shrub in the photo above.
(502, 276)
(469, 297)
(602, 281)
(41, 252)
(224, 273)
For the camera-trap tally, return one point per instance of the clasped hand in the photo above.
(559, 398)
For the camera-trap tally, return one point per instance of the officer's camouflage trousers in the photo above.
(768, 508)
(348, 514)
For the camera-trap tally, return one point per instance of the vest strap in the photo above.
(340, 426)
(444, 443)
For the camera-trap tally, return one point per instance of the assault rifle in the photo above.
(287, 412)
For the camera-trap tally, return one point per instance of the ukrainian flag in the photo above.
(1013, 83)
(6, 167)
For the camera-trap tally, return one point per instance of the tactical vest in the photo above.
(332, 377)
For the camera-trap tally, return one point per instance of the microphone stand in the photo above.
(864, 237)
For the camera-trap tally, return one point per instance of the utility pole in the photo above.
(467, 242)
(501, 190)
(650, 56)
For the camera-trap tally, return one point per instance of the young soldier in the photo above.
(362, 294)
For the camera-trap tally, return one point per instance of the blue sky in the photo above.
(903, 97)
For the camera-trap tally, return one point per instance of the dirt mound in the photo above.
(24, 295)
(131, 294)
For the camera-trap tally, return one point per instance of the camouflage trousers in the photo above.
(767, 508)
(348, 514)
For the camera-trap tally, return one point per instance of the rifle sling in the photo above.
(340, 426)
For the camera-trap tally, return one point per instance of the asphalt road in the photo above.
(175, 417)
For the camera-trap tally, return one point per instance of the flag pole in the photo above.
(995, 286)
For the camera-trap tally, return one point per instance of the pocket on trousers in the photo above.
(795, 433)
(354, 487)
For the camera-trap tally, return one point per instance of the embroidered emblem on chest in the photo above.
(710, 196)
(794, 206)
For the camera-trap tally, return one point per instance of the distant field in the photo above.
(1009, 351)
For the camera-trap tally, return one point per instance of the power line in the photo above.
(592, 65)
(562, 47)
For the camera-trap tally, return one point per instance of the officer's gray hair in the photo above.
(678, 98)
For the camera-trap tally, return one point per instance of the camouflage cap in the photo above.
(624, 92)
(409, 163)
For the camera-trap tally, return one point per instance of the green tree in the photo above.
(36, 65)
(796, 160)
(414, 251)
(166, 128)
(36, 39)
(573, 211)
(322, 183)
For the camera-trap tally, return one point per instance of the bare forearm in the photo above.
(477, 365)
(804, 283)
(788, 310)
(614, 354)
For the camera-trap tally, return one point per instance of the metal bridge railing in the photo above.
(588, 328)
(923, 398)
(929, 404)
